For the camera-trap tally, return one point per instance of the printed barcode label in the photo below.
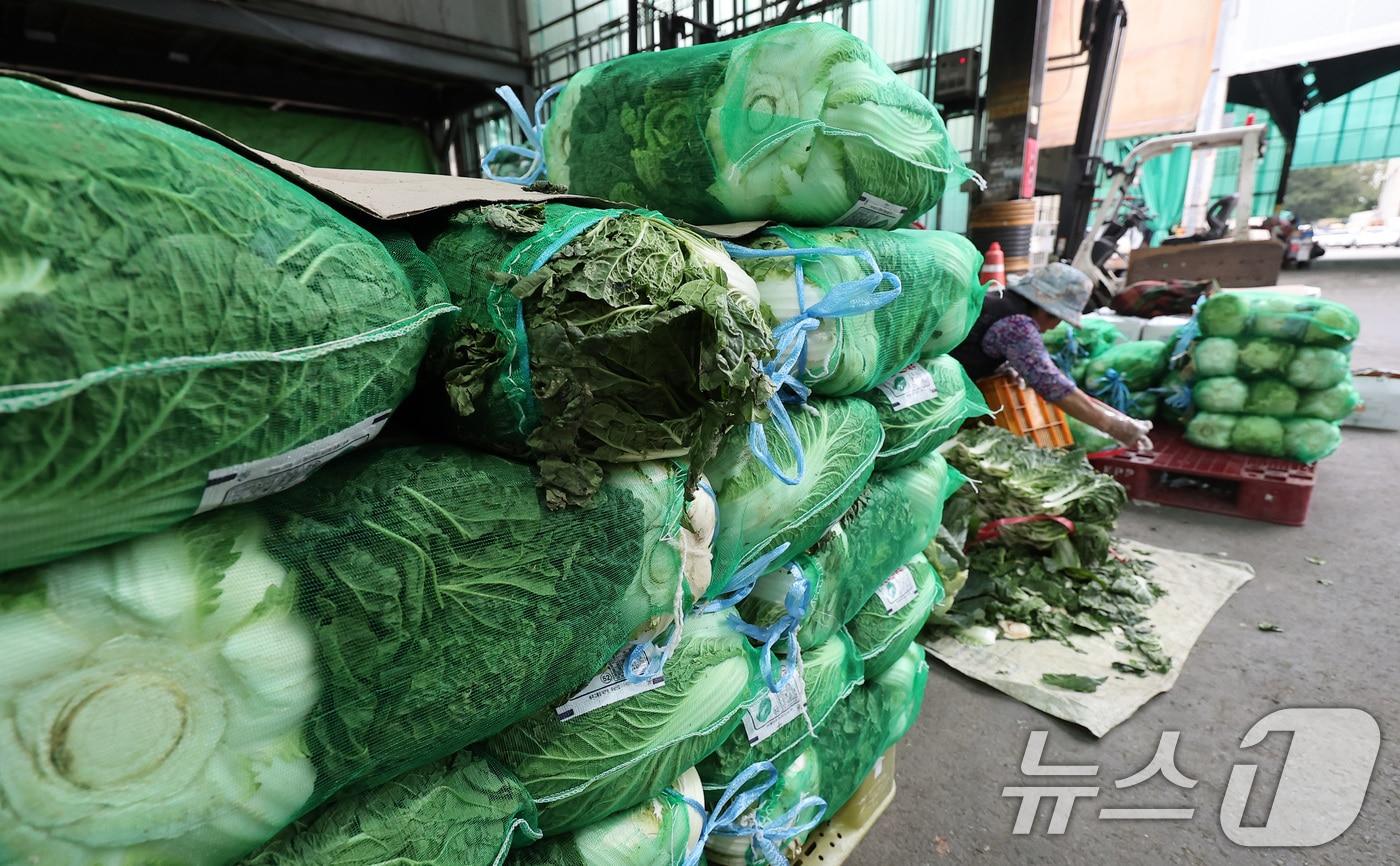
(898, 591)
(609, 686)
(771, 711)
(258, 478)
(909, 387)
(872, 212)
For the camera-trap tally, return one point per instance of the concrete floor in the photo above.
(1338, 647)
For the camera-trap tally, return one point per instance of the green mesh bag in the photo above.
(590, 336)
(1215, 356)
(758, 513)
(1177, 397)
(1310, 439)
(854, 347)
(1293, 319)
(1256, 434)
(1329, 404)
(660, 832)
(456, 811)
(1263, 356)
(1143, 404)
(866, 724)
(777, 725)
(182, 329)
(963, 264)
(1089, 438)
(1211, 430)
(894, 518)
(582, 764)
(182, 696)
(791, 795)
(800, 123)
(893, 616)
(923, 406)
(1272, 398)
(1314, 368)
(1220, 394)
(1139, 363)
(1073, 347)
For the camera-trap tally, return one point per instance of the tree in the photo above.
(1333, 191)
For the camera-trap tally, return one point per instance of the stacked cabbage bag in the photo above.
(197, 689)
(182, 329)
(800, 123)
(1271, 375)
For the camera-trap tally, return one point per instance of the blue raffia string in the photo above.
(1068, 354)
(731, 817)
(799, 596)
(852, 298)
(1114, 391)
(742, 583)
(1187, 333)
(533, 150)
(1179, 397)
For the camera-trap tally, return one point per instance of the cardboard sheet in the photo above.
(1196, 587)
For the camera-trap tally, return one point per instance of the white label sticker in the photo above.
(609, 686)
(771, 711)
(258, 478)
(898, 591)
(872, 212)
(909, 387)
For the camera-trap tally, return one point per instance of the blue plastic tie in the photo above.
(799, 596)
(728, 816)
(533, 150)
(1187, 333)
(1114, 391)
(1069, 353)
(742, 583)
(852, 298)
(1179, 397)
(653, 654)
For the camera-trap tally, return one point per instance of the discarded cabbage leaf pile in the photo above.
(800, 123)
(593, 336)
(182, 696)
(1272, 376)
(1039, 578)
(172, 314)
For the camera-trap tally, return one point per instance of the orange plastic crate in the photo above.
(1025, 413)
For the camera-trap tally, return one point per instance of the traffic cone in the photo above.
(993, 266)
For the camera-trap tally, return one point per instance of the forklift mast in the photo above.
(1101, 32)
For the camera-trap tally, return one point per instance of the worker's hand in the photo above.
(1132, 433)
(1012, 375)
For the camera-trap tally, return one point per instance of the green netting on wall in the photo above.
(314, 139)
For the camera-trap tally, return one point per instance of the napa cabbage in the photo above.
(1220, 394)
(794, 123)
(173, 317)
(758, 513)
(1211, 430)
(892, 617)
(1330, 404)
(1310, 439)
(1256, 434)
(1215, 356)
(1272, 398)
(1264, 356)
(1315, 368)
(923, 406)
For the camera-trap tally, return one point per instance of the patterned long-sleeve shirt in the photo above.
(1017, 339)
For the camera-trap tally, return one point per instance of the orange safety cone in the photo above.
(993, 266)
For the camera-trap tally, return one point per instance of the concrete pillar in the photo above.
(1212, 116)
(1388, 202)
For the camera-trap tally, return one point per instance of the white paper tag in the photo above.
(898, 591)
(872, 212)
(258, 478)
(909, 387)
(771, 711)
(609, 686)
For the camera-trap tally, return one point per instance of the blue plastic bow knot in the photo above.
(1187, 333)
(1114, 391)
(789, 362)
(533, 150)
(731, 816)
(742, 583)
(1069, 353)
(799, 596)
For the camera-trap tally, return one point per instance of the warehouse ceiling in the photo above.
(295, 54)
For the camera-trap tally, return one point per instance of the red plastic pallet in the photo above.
(1222, 482)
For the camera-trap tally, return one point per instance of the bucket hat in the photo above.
(1058, 289)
